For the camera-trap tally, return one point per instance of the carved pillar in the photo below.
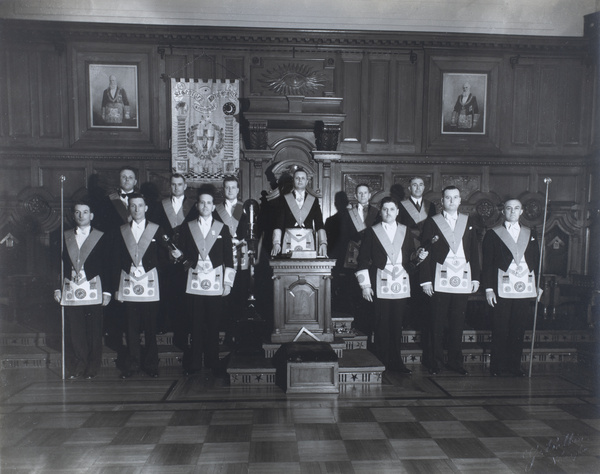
(327, 135)
(259, 160)
(258, 134)
(324, 159)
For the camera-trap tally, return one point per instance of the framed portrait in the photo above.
(113, 95)
(111, 91)
(464, 101)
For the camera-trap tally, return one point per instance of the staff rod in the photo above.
(539, 276)
(62, 270)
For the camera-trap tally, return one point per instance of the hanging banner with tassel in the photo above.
(205, 130)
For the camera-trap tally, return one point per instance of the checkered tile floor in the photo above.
(200, 424)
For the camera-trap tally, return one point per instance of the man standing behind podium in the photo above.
(449, 274)
(511, 255)
(300, 211)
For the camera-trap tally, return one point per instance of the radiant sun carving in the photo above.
(293, 79)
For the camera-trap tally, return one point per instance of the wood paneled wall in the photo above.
(539, 115)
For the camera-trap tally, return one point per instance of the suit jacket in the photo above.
(405, 218)
(221, 252)
(157, 255)
(97, 263)
(237, 214)
(439, 250)
(496, 255)
(110, 213)
(188, 213)
(372, 255)
(285, 219)
(347, 231)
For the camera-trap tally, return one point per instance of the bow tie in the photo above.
(123, 195)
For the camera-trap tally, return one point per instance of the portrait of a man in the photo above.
(463, 103)
(113, 95)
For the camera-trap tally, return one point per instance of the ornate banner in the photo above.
(205, 129)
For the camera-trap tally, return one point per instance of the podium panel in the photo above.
(302, 298)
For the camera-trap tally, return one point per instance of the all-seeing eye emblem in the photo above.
(293, 79)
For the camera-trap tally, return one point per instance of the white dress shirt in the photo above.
(177, 202)
(299, 196)
(390, 230)
(450, 219)
(513, 229)
(229, 206)
(137, 229)
(361, 212)
(205, 225)
(81, 234)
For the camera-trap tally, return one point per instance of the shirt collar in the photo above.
(141, 224)
(83, 230)
(177, 198)
(449, 216)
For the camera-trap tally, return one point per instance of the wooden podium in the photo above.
(302, 298)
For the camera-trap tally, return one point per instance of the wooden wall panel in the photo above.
(351, 91)
(20, 100)
(205, 67)
(406, 102)
(50, 94)
(379, 100)
(507, 185)
(522, 106)
(13, 179)
(75, 174)
(572, 95)
(549, 87)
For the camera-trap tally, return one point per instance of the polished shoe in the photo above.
(495, 374)
(90, 376)
(75, 376)
(152, 373)
(434, 371)
(126, 374)
(519, 373)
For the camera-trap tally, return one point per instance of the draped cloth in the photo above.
(205, 129)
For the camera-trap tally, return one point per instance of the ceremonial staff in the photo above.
(537, 299)
(62, 268)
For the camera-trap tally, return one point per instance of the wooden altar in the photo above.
(302, 298)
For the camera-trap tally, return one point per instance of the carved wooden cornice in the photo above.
(250, 38)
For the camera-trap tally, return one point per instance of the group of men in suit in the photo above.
(176, 260)
(410, 261)
(180, 263)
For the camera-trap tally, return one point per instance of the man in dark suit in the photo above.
(139, 253)
(448, 275)
(85, 290)
(231, 213)
(385, 250)
(170, 214)
(511, 255)
(206, 243)
(412, 213)
(113, 209)
(300, 210)
(353, 225)
(112, 212)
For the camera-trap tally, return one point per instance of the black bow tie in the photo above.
(123, 195)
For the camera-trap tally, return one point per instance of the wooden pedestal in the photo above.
(312, 377)
(302, 298)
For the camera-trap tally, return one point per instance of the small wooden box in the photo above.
(312, 377)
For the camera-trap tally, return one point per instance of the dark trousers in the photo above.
(447, 316)
(388, 331)
(205, 312)
(235, 303)
(141, 317)
(174, 313)
(509, 317)
(85, 333)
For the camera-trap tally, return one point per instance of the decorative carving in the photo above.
(34, 211)
(293, 79)
(258, 135)
(467, 184)
(351, 180)
(327, 135)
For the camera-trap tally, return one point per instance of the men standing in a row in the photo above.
(385, 251)
(299, 220)
(139, 254)
(449, 274)
(85, 290)
(413, 212)
(171, 213)
(354, 223)
(206, 243)
(511, 255)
